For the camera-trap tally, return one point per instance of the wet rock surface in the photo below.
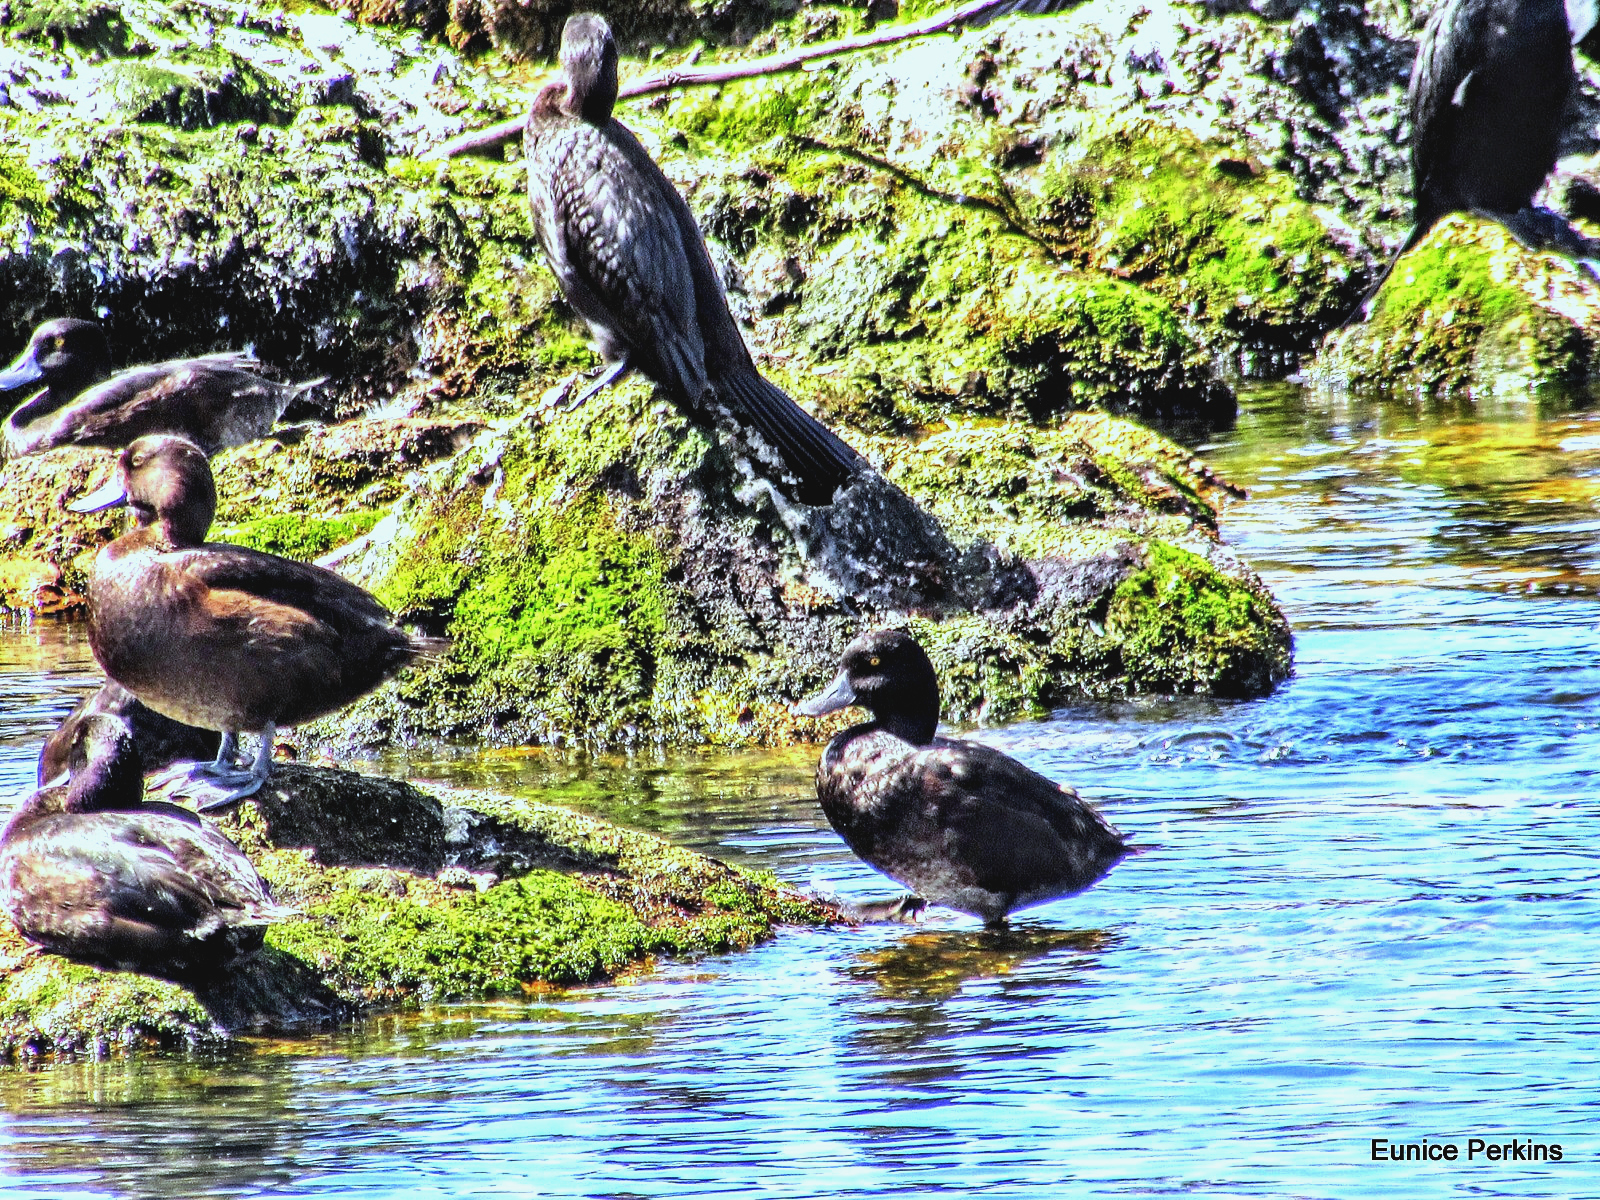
(406, 896)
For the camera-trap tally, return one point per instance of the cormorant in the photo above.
(630, 259)
(223, 637)
(1489, 88)
(959, 823)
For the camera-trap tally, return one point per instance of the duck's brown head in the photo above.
(589, 62)
(104, 772)
(887, 672)
(63, 355)
(167, 483)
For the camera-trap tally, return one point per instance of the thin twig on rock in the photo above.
(489, 141)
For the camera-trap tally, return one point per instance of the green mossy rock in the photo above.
(406, 897)
(1468, 310)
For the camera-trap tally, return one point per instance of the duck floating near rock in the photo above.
(216, 400)
(959, 823)
(630, 259)
(223, 637)
(90, 871)
(160, 740)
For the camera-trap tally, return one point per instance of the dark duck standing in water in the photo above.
(216, 401)
(90, 871)
(959, 823)
(1489, 89)
(223, 637)
(630, 259)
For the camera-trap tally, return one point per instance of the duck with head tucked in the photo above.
(160, 740)
(91, 871)
(216, 401)
(223, 637)
(959, 823)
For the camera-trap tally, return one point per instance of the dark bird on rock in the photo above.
(1489, 89)
(216, 401)
(160, 740)
(223, 637)
(91, 871)
(959, 823)
(630, 259)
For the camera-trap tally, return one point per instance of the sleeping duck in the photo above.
(218, 636)
(959, 823)
(90, 871)
(216, 401)
(161, 741)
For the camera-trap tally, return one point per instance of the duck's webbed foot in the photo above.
(903, 910)
(223, 781)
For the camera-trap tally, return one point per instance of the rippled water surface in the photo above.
(1369, 911)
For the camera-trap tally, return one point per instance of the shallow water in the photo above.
(1368, 911)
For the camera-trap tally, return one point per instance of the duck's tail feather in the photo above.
(814, 454)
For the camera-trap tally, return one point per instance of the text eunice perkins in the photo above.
(1478, 1150)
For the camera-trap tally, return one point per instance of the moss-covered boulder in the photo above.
(406, 897)
(611, 576)
(1469, 310)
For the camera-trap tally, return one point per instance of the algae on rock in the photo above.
(406, 897)
(1470, 310)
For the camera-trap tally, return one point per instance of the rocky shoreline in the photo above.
(977, 255)
(407, 896)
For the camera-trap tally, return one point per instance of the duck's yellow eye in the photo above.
(59, 342)
(873, 661)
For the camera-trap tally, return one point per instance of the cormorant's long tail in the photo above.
(816, 456)
(1359, 312)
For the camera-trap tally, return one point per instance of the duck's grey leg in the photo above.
(229, 784)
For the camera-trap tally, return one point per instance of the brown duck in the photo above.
(630, 259)
(90, 871)
(959, 823)
(216, 401)
(218, 636)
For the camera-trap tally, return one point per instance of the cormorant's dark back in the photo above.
(630, 259)
(1488, 91)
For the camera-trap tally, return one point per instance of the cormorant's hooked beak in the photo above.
(108, 495)
(838, 694)
(24, 371)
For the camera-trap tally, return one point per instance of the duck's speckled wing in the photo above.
(315, 590)
(132, 878)
(1006, 820)
(615, 247)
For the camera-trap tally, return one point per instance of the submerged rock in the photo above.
(407, 897)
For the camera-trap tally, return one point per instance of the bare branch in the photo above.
(491, 140)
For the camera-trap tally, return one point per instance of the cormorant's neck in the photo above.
(592, 89)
